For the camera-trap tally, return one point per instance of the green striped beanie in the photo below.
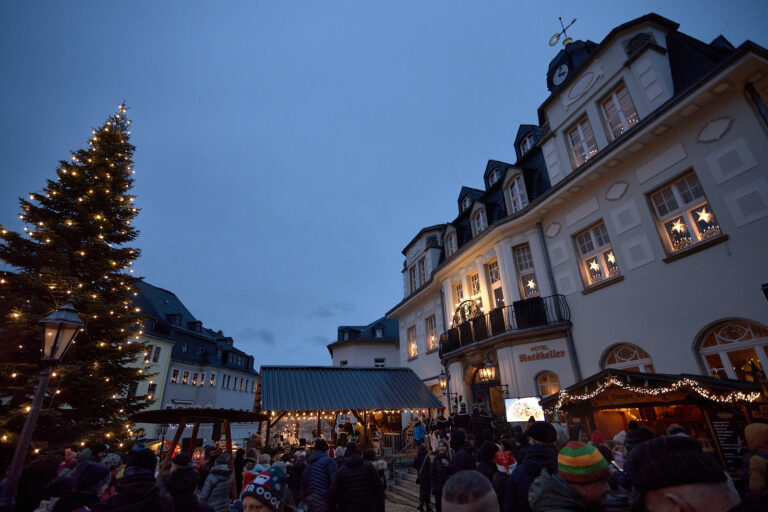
(581, 463)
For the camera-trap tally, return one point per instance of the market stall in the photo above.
(715, 411)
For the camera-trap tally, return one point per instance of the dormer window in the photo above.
(495, 176)
(378, 332)
(479, 221)
(526, 144)
(518, 198)
(466, 202)
(582, 142)
(450, 244)
(619, 112)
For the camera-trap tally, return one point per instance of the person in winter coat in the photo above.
(215, 491)
(462, 458)
(419, 433)
(423, 467)
(756, 435)
(487, 464)
(70, 461)
(182, 485)
(338, 456)
(381, 471)
(90, 479)
(318, 478)
(579, 485)
(356, 483)
(238, 469)
(137, 491)
(440, 471)
(540, 454)
(295, 472)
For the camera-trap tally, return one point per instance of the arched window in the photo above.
(450, 244)
(479, 221)
(518, 198)
(548, 383)
(626, 356)
(734, 349)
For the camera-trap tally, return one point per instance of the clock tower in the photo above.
(567, 62)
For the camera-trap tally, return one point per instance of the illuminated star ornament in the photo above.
(611, 259)
(704, 215)
(531, 284)
(678, 226)
(594, 266)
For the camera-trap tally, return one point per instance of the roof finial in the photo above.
(555, 38)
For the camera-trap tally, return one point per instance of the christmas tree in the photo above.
(75, 242)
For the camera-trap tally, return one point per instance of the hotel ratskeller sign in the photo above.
(538, 352)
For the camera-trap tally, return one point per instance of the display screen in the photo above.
(521, 409)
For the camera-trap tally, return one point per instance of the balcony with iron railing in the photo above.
(537, 312)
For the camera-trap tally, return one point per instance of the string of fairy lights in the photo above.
(722, 398)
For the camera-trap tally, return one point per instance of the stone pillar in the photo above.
(508, 272)
(456, 382)
(507, 374)
(539, 263)
(485, 291)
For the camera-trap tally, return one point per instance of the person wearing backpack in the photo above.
(422, 464)
(757, 440)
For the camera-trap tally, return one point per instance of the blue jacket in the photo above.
(317, 481)
(418, 432)
(537, 457)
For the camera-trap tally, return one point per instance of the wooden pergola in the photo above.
(197, 416)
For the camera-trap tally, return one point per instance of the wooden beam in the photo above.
(277, 418)
(228, 440)
(193, 439)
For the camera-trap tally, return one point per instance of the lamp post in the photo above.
(487, 373)
(163, 430)
(60, 328)
(443, 380)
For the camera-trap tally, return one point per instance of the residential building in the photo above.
(204, 368)
(629, 233)
(375, 344)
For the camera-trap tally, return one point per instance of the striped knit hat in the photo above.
(581, 463)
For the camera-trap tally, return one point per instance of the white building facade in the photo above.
(630, 232)
(374, 345)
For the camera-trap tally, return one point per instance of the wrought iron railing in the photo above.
(523, 314)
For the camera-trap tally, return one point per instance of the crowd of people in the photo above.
(540, 469)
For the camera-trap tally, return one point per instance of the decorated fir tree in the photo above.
(75, 242)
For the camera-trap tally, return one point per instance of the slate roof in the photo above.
(368, 332)
(326, 388)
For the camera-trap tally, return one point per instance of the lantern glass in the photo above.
(443, 379)
(58, 337)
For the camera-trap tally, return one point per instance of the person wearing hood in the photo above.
(295, 472)
(137, 491)
(579, 485)
(487, 460)
(181, 485)
(756, 435)
(381, 471)
(205, 465)
(463, 458)
(539, 455)
(318, 478)
(215, 491)
(423, 467)
(356, 483)
(90, 479)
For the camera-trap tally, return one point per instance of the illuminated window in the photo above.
(684, 215)
(629, 357)
(194, 379)
(526, 273)
(598, 262)
(185, 378)
(175, 376)
(518, 198)
(736, 349)
(156, 355)
(494, 278)
(450, 244)
(202, 379)
(413, 349)
(548, 382)
(151, 390)
(474, 283)
(582, 142)
(619, 112)
(479, 222)
(422, 271)
(458, 293)
(431, 329)
(213, 380)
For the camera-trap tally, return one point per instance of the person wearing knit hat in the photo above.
(581, 482)
(637, 436)
(673, 473)
(266, 492)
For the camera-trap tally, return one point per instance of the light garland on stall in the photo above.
(728, 398)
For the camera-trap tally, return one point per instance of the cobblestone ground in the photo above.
(396, 507)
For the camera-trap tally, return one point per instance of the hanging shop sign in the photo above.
(624, 397)
(728, 426)
(539, 352)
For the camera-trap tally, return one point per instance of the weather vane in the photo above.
(555, 38)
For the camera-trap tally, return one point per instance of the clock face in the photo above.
(560, 74)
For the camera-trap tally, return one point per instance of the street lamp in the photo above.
(487, 373)
(443, 380)
(60, 328)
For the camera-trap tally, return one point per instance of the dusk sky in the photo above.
(286, 152)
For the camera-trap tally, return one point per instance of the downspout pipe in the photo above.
(757, 101)
(575, 366)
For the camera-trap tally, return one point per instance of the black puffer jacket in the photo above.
(136, 492)
(487, 464)
(355, 486)
(439, 474)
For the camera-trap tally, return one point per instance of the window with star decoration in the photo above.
(526, 273)
(596, 256)
(684, 215)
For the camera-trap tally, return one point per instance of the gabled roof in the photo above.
(423, 231)
(368, 333)
(474, 193)
(327, 388)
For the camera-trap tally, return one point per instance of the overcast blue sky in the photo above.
(287, 151)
